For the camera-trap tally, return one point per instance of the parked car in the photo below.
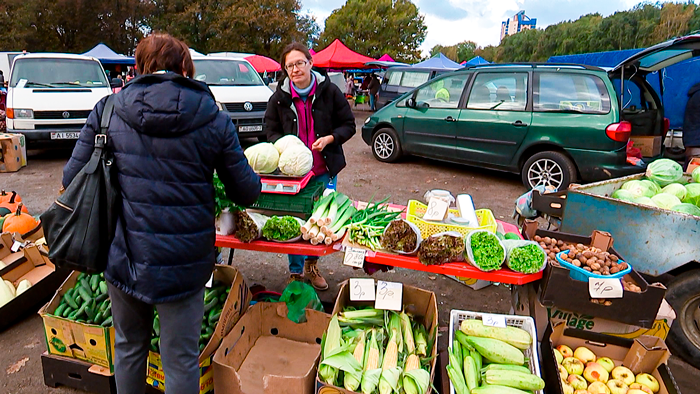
(399, 80)
(552, 123)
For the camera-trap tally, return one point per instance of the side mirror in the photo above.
(116, 83)
(411, 102)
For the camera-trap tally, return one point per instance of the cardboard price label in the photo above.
(494, 320)
(605, 288)
(437, 209)
(16, 247)
(362, 289)
(389, 296)
(354, 257)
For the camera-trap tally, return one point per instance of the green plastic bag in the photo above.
(299, 296)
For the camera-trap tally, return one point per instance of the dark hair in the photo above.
(294, 46)
(161, 51)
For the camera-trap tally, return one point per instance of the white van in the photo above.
(6, 59)
(50, 95)
(238, 89)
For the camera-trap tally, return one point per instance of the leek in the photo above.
(321, 208)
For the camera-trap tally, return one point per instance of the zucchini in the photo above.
(60, 309)
(85, 290)
(70, 301)
(94, 282)
(107, 322)
(210, 305)
(103, 287)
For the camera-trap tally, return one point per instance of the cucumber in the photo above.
(72, 315)
(60, 309)
(90, 310)
(214, 316)
(154, 344)
(85, 285)
(81, 321)
(103, 287)
(71, 301)
(512, 236)
(156, 326)
(99, 318)
(78, 299)
(101, 298)
(222, 298)
(94, 282)
(67, 311)
(107, 322)
(210, 305)
(108, 311)
(85, 294)
(104, 305)
(214, 293)
(201, 347)
(81, 276)
(81, 310)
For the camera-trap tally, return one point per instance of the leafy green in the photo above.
(221, 201)
(281, 228)
(442, 249)
(527, 259)
(487, 252)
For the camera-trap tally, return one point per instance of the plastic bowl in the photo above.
(583, 275)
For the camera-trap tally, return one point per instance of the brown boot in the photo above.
(295, 277)
(312, 274)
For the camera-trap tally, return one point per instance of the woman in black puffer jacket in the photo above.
(168, 137)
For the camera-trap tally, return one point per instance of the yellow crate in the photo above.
(416, 211)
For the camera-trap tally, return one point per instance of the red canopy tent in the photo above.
(312, 52)
(338, 56)
(263, 63)
(386, 58)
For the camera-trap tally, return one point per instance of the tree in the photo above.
(459, 52)
(375, 27)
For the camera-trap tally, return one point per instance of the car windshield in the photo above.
(57, 73)
(226, 72)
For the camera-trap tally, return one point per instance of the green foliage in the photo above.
(458, 52)
(376, 27)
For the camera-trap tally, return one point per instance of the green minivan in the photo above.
(553, 123)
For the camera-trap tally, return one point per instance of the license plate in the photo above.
(250, 128)
(65, 136)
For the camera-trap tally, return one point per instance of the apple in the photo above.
(617, 386)
(624, 374)
(573, 365)
(581, 392)
(565, 351)
(577, 382)
(637, 386)
(558, 356)
(636, 391)
(607, 363)
(563, 373)
(595, 372)
(648, 380)
(567, 388)
(598, 388)
(584, 354)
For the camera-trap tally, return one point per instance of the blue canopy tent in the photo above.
(105, 55)
(438, 61)
(477, 60)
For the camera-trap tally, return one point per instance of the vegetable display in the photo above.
(249, 225)
(281, 228)
(376, 352)
(527, 259)
(262, 157)
(441, 249)
(690, 209)
(593, 259)
(399, 236)
(485, 251)
(647, 192)
(296, 160)
(329, 220)
(367, 225)
(664, 172)
(475, 345)
(87, 302)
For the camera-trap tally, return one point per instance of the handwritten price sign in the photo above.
(437, 209)
(605, 288)
(354, 257)
(389, 296)
(494, 320)
(362, 289)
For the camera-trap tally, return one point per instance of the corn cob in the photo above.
(497, 351)
(407, 333)
(412, 362)
(518, 380)
(389, 380)
(415, 379)
(421, 342)
(370, 377)
(511, 335)
(352, 380)
(332, 341)
(395, 324)
(391, 354)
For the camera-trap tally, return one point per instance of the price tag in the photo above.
(494, 320)
(389, 296)
(362, 289)
(605, 288)
(437, 209)
(354, 257)
(15, 246)
(210, 282)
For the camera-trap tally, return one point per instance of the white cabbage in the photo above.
(296, 161)
(263, 157)
(285, 142)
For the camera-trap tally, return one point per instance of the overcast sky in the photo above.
(453, 21)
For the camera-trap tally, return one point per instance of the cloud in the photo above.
(442, 9)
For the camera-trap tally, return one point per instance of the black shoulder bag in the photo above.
(79, 226)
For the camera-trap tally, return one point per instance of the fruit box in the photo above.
(29, 263)
(265, 352)
(643, 354)
(418, 302)
(235, 306)
(559, 290)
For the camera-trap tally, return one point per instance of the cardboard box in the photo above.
(11, 160)
(235, 306)
(643, 354)
(474, 284)
(265, 352)
(422, 304)
(559, 290)
(693, 164)
(650, 146)
(30, 263)
(69, 372)
(526, 302)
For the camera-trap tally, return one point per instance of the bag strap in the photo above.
(101, 138)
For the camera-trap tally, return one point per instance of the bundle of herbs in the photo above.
(249, 225)
(282, 228)
(399, 236)
(367, 225)
(441, 249)
(221, 201)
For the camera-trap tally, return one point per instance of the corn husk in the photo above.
(407, 333)
(351, 380)
(395, 324)
(389, 381)
(416, 381)
(370, 380)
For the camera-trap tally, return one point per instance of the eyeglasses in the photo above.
(299, 64)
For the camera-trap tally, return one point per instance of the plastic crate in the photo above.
(583, 275)
(525, 322)
(416, 210)
(301, 203)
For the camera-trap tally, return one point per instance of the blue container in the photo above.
(583, 275)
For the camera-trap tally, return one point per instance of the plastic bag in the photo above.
(225, 223)
(249, 225)
(415, 229)
(429, 255)
(512, 244)
(470, 254)
(299, 296)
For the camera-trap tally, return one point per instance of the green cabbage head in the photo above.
(640, 188)
(690, 209)
(676, 189)
(664, 172)
(665, 200)
(624, 195)
(696, 175)
(645, 201)
(693, 194)
(296, 161)
(262, 157)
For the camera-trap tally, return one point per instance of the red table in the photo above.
(303, 248)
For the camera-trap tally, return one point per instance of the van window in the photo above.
(571, 92)
(443, 93)
(395, 78)
(226, 72)
(64, 73)
(412, 79)
(499, 91)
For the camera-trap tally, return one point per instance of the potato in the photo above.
(613, 258)
(547, 240)
(560, 243)
(556, 250)
(623, 266)
(595, 266)
(583, 260)
(538, 238)
(596, 272)
(580, 247)
(608, 303)
(576, 263)
(587, 268)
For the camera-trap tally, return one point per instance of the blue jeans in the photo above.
(296, 262)
(372, 102)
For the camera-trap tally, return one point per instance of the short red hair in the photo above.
(161, 51)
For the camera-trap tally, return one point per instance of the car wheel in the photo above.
(684, 296)
(548, 169)
(386, 146)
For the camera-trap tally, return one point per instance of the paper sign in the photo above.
(493, 320)
(389, 296)
(210, 282)
(15, 246)
(437, 209)
(362, 289)
(354, 257)
(605, 288)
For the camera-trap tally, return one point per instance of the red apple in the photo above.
(565, 351)
(573, 365)
(567, 388)
(624, 374)
(584, 354)
(558, 356)
(581, 392)
(563, 373)
(577, 382)
(607, 363)
(617, 386)
(598, 388)
(648, 380)
(595, 372)
(638, 386)
(636, 391)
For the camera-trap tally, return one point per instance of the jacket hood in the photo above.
(165, 104)
(694, 89)
(286, 87)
